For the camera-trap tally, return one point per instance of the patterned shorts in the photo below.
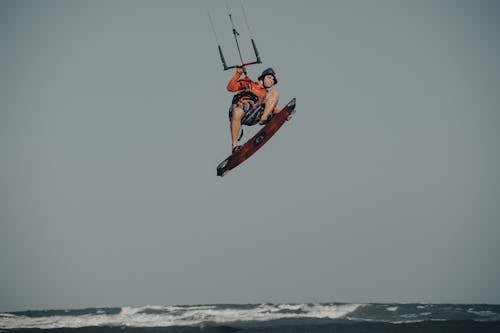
(251, 112)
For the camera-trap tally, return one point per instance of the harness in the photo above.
(245, 96)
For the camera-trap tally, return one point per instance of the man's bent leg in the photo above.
(236, 125)
(271, 101)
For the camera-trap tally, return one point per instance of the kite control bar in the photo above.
(226, 67)
(236, 34)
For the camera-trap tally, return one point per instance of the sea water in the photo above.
(324, 317)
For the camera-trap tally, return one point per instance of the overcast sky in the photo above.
(384, 187)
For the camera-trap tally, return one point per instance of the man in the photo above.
(254, 102)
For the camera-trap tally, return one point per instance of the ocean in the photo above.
(289, 318)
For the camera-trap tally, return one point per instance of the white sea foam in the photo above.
(164, 316)
(482, 313)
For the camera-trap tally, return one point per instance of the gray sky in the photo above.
(384, 188)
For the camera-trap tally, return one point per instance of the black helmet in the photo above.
(268, 71)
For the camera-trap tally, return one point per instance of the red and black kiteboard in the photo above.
(257, 141)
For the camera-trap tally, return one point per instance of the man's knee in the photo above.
(273, 94)
(237, 114)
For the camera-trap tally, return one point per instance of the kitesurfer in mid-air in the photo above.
(253, 103)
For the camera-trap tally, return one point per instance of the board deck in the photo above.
(257, 141)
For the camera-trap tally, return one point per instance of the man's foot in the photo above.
(236, 148)
(265, 120)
